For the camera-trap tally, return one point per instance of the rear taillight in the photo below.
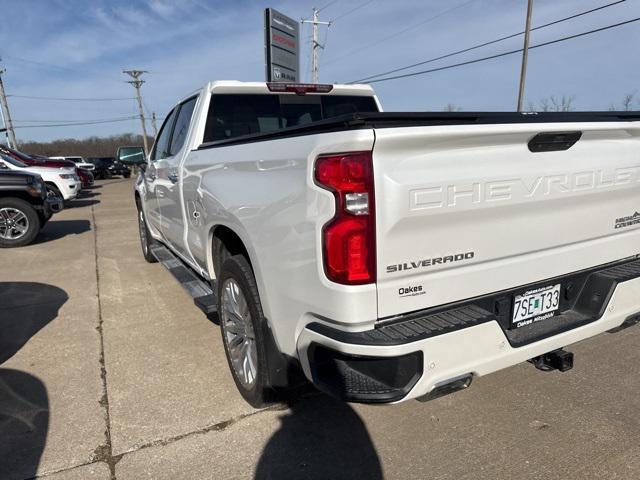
(349, 241)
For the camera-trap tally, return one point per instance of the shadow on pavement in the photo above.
(55, 229)
(77, 203)
(322, 438)
(24, 422)
(25, 308)
(87, 194)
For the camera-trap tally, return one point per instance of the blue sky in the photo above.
(78, 48)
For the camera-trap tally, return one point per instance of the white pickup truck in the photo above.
(392, 255)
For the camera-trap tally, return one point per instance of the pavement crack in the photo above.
(104, 452)
(216, 427)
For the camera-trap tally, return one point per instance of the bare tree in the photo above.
(87, 147)
(451, 107)
(627, 101)
(554, 104)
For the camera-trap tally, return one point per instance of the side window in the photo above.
(235, 115)
(182, 125)
(161, 150)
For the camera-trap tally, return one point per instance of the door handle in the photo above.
(173, 177)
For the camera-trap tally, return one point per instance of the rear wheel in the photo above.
(241, 323)
(19, 222)
(146, 240)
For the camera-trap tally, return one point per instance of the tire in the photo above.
(253, 383)
(55, 191)
(21, 214)
(43, 219)
(127, 175)
(146, 240)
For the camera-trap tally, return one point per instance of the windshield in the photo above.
(15, 163)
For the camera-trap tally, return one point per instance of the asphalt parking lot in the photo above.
(108, 370)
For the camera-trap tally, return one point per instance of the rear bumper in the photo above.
(421, 353)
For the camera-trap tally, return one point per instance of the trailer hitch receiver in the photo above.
(555, 360)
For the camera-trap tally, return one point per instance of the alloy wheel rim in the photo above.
(238, 331)
(143, 232)
(14, 224)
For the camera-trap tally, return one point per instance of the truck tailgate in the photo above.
(463, 211)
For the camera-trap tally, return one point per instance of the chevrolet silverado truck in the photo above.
(392, 256)
(25, 207)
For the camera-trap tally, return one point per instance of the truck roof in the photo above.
(235, 86)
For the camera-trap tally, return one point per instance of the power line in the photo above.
(327, 5)
(504, 54)
(485, 44)
(404, 30)
(77, 124)
(63, 99)
(123, 117)
(362, 5)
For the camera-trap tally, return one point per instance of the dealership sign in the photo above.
(281, 47)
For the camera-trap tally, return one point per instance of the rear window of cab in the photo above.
(234, 115)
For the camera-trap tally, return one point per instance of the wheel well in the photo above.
(18, 194)
(226, 243)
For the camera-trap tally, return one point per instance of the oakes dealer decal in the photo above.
(429, 262)
(627, 221)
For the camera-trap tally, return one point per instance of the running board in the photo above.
(203, 295)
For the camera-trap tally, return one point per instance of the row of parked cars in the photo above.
(33, 188)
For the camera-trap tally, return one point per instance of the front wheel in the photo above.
(19, 223)
(241, 323)
(54, 191)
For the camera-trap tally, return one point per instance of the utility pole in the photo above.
(137, 83)
(6, 115)
(315, 44)
(154, 124)
(525, 56)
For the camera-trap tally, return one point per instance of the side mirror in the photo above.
(132, 156)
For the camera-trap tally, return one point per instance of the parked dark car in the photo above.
(86, 177)
(107, 167)
(24, 207)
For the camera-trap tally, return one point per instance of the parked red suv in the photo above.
(39, 161)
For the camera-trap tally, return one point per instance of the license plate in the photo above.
(535, 305)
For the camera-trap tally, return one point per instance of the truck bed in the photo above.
(355, 121)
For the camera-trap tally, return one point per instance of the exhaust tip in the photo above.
(447, 387)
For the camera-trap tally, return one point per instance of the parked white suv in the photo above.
(392, 255)
(61, 182)
(79, 161)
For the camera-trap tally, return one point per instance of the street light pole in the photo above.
(525, 57)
